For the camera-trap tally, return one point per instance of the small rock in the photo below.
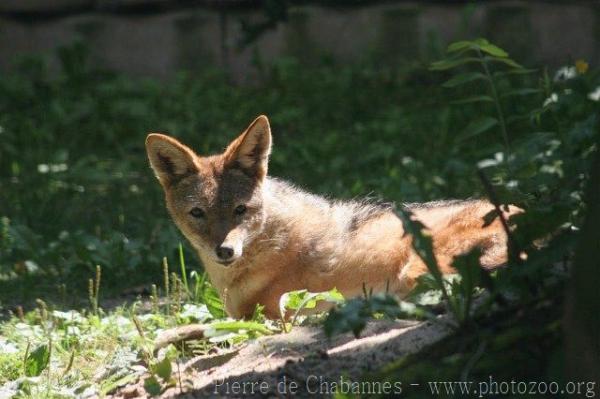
(131, 391)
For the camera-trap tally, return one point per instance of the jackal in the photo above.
(259, 237)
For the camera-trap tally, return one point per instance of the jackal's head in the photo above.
(216, 201)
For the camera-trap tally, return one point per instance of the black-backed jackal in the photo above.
(260, 237)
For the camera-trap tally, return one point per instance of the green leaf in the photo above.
(293, 299)
(460, 45)
(522, 71)
(213, 302)
(112, 384)
(520, 92)
(493, 50)
(479, 44)
(37, 361)
(468, 267)
(478, 126)
(506, 61)
(303, 299)
(152, 386)
(516, 118)
(474, 99)
(464, 78)
(385, 305)
(450, 63)
(350, 317)
(353, 315)
(237, 325)
(426, 292)
(163, 369)
(421, 241)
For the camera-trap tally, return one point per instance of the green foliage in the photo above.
(250, 327)
(461, 289)
(484, 54)
(99, 351)
(76, 192)
(160, 377)
(11, 367)
(292, 303)
(542, 168)
(152, 386)
(37, 360)
(183, 270)
(353, 315)
(521, 345)
(545, 162)
(163, 369)
(207, 294)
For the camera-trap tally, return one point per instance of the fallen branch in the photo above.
(179, 334)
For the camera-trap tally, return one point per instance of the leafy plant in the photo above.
(98, 351)
(488, 57)
(537, 170)
(76, 192)
(162, 370)
(545, 164)
(37, 360)
(352, 316)
(297, 301)
(541, 172)
(205, 293)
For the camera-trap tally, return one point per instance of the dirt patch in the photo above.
(302, 363)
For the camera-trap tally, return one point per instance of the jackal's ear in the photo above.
(250, 151)
(169, 159)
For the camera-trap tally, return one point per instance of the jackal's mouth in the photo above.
(225, 262)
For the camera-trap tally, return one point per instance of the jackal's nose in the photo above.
(224, 252)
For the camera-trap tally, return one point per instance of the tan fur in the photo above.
(287, 239)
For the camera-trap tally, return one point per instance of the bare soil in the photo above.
(302, 363)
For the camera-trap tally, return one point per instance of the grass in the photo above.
(54, 353)
(77, 190)
(83, 225)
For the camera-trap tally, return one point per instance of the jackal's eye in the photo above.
(240, 210)
(197, 213)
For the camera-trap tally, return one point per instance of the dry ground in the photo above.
(303, 361)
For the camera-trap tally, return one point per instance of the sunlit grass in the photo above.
(93, 351)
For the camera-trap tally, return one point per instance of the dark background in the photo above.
(159, 38)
